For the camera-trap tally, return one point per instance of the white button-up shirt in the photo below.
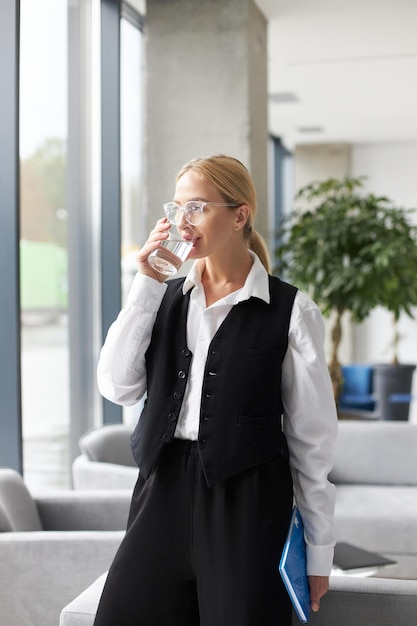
(310, 420)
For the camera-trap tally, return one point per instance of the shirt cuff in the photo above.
(319, 560)
(146, 292)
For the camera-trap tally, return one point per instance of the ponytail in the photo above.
(258, 246)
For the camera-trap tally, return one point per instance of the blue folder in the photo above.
(293, 567)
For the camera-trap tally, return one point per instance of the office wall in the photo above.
(391, 170)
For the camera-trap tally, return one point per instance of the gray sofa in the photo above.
(52, 546)
(375, 474)
(350, 602)
(106, 460)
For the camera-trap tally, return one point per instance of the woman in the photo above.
(239, 416)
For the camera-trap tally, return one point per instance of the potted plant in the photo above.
(351, 252)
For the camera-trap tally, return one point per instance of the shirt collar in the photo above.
(256, 283)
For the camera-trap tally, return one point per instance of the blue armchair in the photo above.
(357, 388)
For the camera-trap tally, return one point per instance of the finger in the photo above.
(315, 601)
(318, 587)
(158, 234)
(160, 231)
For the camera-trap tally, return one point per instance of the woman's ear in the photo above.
(242, 215)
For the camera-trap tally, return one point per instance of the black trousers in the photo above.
(200, 556)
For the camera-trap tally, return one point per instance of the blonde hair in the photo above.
(234, 183)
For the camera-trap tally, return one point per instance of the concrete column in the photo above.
(206, 92)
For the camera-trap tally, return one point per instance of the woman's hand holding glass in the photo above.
(158, 234)
(165, 252)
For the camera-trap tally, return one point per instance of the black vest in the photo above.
(241, 404)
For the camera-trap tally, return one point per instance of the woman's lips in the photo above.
(191, 238)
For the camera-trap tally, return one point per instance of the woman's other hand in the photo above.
(319, 585)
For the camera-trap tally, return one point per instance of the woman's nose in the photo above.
(181, 220)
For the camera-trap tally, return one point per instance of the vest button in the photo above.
(185, 352)
(177, 395)
(172, 417)
(181, 374)
(166, 437)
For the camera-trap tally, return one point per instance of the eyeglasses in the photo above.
(193, 211)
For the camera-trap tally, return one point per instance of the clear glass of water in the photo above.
(171, 254)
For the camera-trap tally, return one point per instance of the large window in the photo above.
(131, 132)
(60, 116)
(43, 241)
(133, 229)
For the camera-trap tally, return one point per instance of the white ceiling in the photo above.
(350, 64)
